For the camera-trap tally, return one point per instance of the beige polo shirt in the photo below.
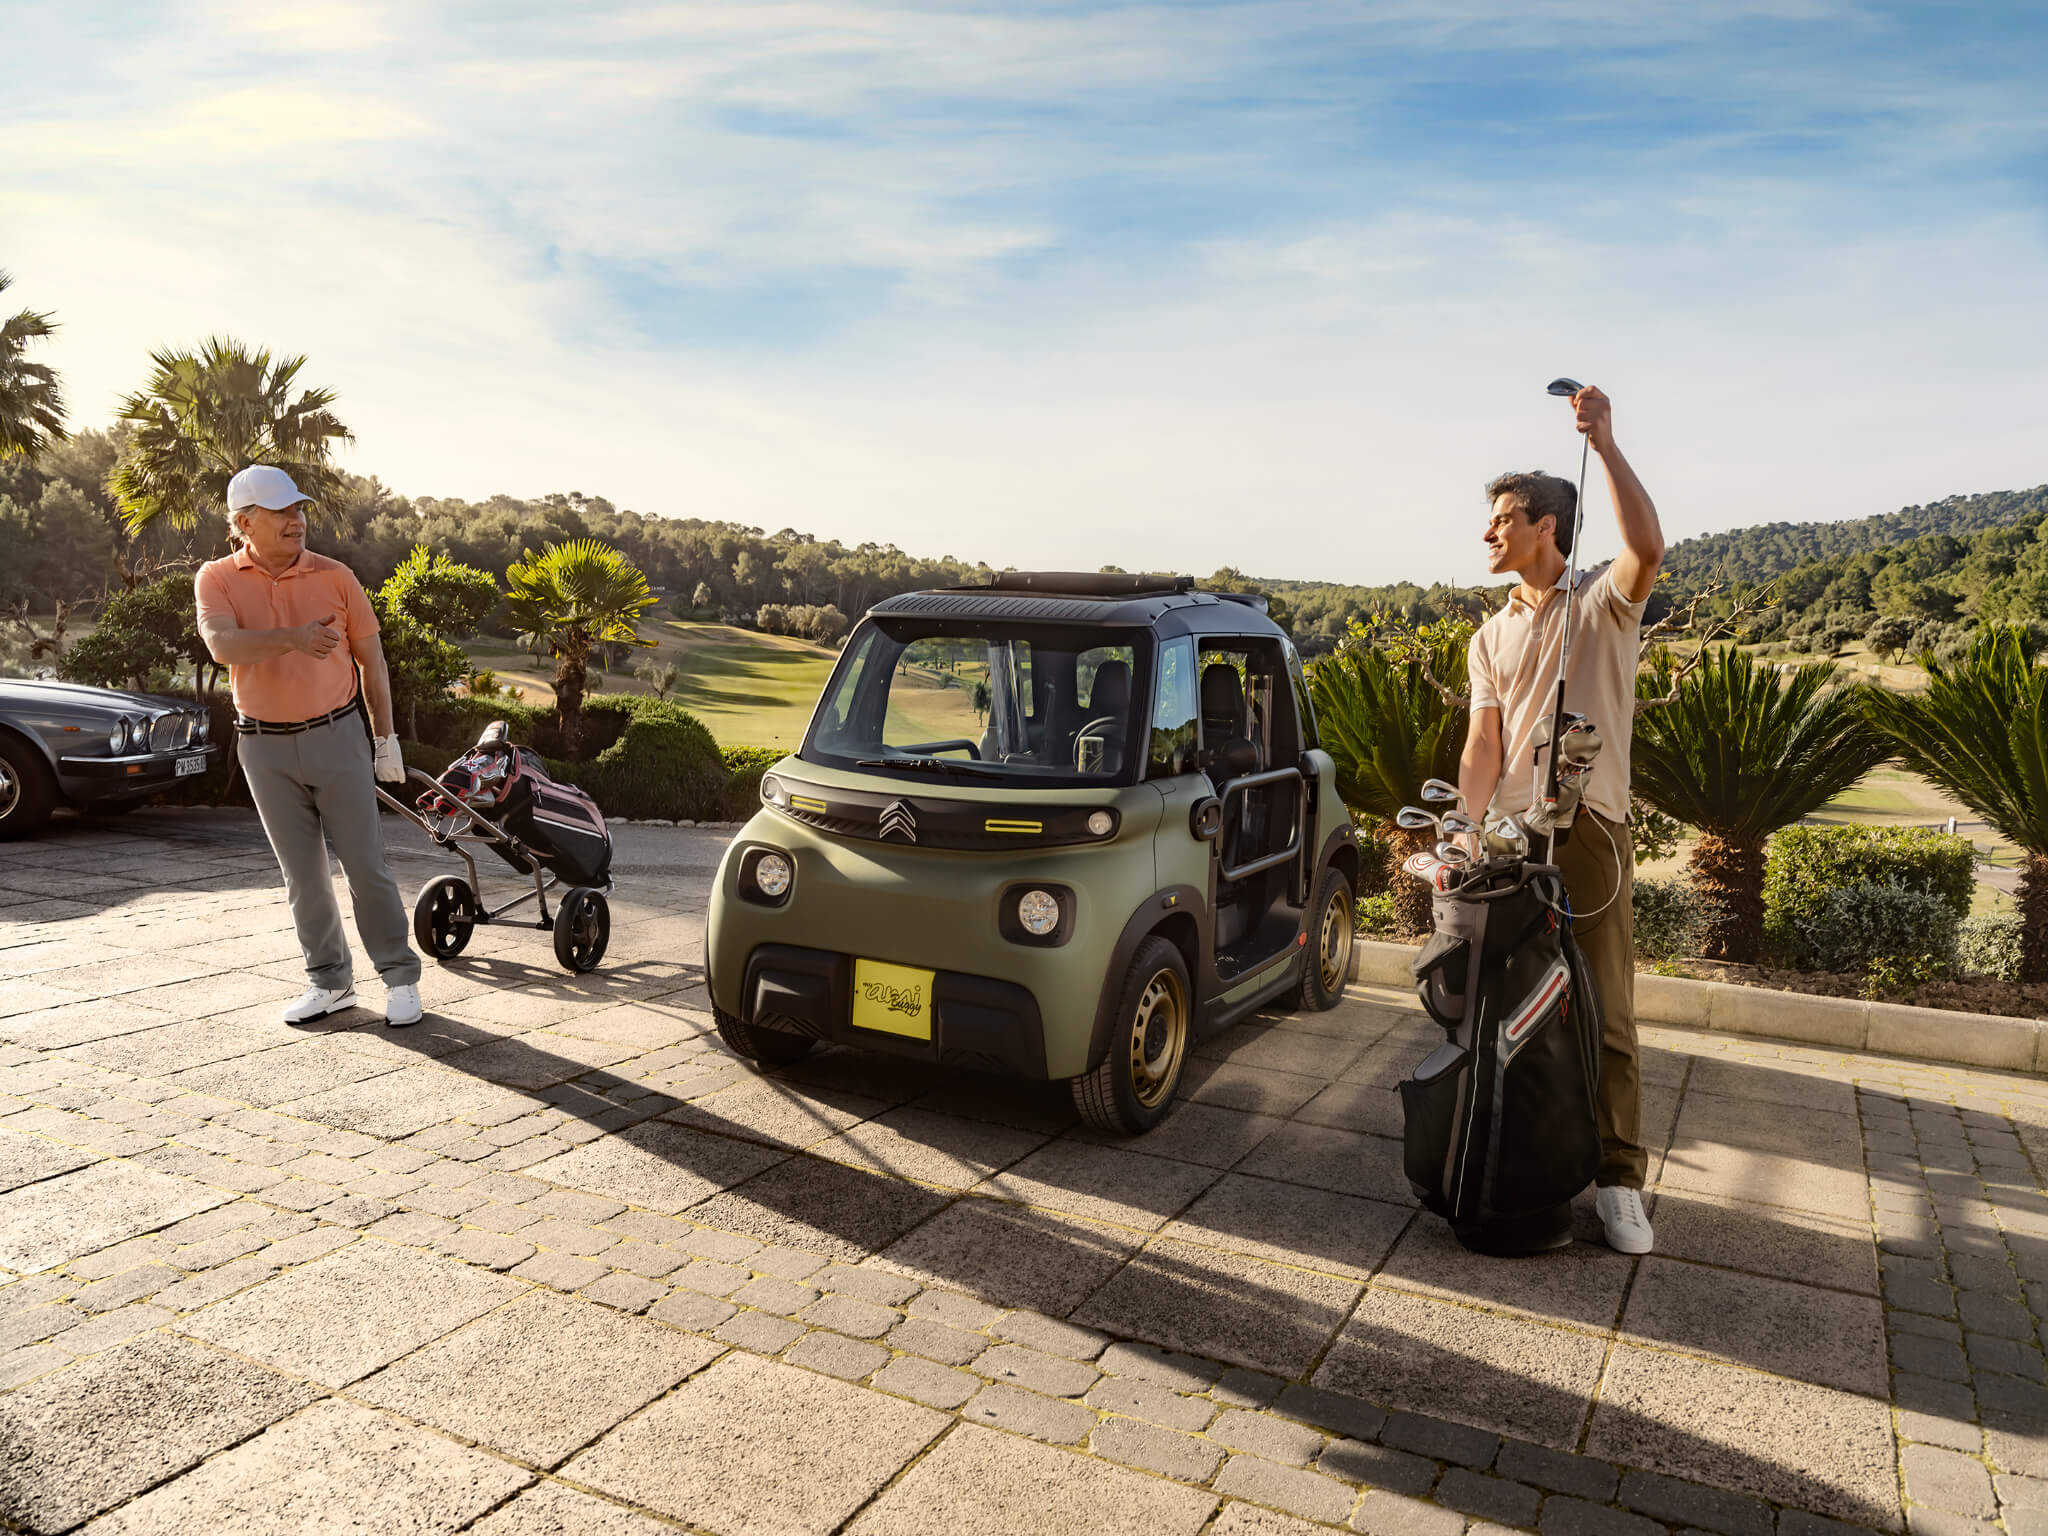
(1513, 665)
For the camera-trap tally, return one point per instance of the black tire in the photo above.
(1326, 958)
(444, 916)
(28, 790)
(1133, 1088)
(583, 927)
(763, 1047)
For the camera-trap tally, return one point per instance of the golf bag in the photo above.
(558, 824)
(1501, 1127)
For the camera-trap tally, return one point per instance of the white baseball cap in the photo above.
(263, 485)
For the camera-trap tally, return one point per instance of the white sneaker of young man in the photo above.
(318, 1003)
(1621, 1213)
(401, 1007)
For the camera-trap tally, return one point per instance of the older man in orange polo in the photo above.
(297, 635)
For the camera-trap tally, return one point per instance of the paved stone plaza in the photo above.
(552, 1261)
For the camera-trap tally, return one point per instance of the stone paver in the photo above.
(701, 1455)
(557, 1228)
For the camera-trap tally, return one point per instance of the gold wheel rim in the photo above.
(1333, 950)
(1158, 1038)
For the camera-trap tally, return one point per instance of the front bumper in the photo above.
(978, 1022)
(141, 773)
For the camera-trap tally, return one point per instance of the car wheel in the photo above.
(1133, 1088)
(762, 1047)
(1326, 959)
(28, 792)
(583, 927)
(444, 916)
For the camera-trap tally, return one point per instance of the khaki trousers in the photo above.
(1599, 868)
(312, 788)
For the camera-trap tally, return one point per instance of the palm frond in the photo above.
(1743, 749)
(31, 399)
(1386, 724)
(1980, 731)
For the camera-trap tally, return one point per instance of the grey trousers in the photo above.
(311, 788)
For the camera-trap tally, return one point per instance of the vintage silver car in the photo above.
(93, 749)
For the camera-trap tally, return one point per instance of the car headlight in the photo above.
(138, 735)
(1038, 913)
(117, 736)
(1101, 824)
(202, 727)
(773, 792)
(772, 875)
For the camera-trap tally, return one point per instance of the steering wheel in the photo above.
(957, 744)
(1093, 729)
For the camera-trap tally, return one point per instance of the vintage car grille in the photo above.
(916, 821)
(169, 732)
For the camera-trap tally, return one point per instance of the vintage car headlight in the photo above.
(772, 875)
(1038, 913)
(138, 735)
(202, 727)
(117, 736)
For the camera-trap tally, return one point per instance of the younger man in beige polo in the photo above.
(1512, 663)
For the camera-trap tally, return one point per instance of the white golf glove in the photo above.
(387, 762)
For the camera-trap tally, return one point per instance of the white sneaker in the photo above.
(318, 1003)
(1621, 1213)
(401, 1007)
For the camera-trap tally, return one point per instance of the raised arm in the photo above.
(1642, 536)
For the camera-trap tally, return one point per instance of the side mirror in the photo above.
(1205, 819)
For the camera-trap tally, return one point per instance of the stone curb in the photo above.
(1846, 1023)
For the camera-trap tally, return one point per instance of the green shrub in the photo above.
(649, 758)
(1376, 917)
(1990, 946)
(1913, 932)
(1668, 921)
(745, 765)
(1804, 866)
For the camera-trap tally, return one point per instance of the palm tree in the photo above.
(1980, 731)
(31, 401)
(205, 415)
(1739, 752)
(1388, 726)
(566, 599)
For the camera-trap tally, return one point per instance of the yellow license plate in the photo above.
(895, 999)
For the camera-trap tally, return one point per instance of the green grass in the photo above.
(749, 689)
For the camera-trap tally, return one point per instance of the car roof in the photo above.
(1168, 605)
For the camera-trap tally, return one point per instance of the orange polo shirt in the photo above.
(293, 686)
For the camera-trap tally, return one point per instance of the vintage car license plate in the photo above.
(190, 765)
(895, 999)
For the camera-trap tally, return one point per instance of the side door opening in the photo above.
(1250, 746)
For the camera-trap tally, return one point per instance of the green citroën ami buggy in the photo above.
(1057, 826)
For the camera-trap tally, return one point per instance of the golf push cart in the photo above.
(1058, 826)
(499, 796)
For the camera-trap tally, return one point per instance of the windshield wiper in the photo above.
(929, 765)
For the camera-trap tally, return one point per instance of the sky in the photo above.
(1166, 286)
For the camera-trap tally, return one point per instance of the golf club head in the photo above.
(1457, 824)
(1413, 818)
(1453, 854)
(1438, 791)
(1564, 387)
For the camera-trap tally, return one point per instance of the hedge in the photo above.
(1990, 946)
(1804, 866)
(1669, 924)
(1859, 926)
(744, 767)
(651, 759)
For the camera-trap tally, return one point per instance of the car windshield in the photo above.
(1029, 705)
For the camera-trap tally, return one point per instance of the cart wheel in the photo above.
(583, 926)
(1132, 1089)
(1326, 959)
(444, 916)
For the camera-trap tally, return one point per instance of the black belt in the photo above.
(248, 727)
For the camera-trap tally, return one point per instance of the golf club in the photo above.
(1568, 389)
(1439, 791)
(1413, 818)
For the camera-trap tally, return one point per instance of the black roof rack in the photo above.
(1082, 583)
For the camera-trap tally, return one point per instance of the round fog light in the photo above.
(1038, 912)
(771, 874)
(1101, 823)
(773, 792)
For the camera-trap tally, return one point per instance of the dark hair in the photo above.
(1538, 496)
